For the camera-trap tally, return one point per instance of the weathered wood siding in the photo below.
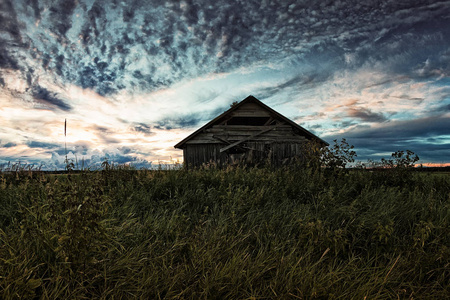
(276, 153)
(217, 133)
(198, 154)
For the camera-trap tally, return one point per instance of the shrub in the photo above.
(401, 160)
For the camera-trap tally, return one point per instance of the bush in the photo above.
(338, 155)
(401, 160)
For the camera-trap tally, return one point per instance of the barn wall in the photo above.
(197, 154)
(277, 153)
(284, 153)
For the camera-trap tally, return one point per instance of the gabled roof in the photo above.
(250, 99)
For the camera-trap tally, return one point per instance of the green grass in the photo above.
(237, 233)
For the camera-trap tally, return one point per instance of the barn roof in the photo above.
(250, 99)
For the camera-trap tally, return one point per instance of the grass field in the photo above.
(236, 233)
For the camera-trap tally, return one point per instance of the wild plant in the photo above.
(235, 232)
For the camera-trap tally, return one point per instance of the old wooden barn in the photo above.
(249, 132)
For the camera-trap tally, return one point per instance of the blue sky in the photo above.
(133, 78)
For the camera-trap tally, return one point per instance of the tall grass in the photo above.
(234, 233)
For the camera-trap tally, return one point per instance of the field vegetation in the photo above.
(306, 231)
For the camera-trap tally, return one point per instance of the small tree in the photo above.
(401, 160)
(398, 168)
(338, 155)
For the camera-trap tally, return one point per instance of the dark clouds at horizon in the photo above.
(156, 70)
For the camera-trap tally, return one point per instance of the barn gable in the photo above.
(249, 130)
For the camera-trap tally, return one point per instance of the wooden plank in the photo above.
(252, 148)
(255, 139)
(250, 113)
(247, 132)
(276, 139)
(245, 127)
(234, 139)
(221, 139)
(204, 136)
(274, 132)
(269, 133)
(224, 121)
(237, 135)
(271, 119)
(245, 139)
(193, 142)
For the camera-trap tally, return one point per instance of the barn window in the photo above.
(249, 121)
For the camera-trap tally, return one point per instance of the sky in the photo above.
(133, 78)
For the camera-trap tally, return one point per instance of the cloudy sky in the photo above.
(133, 78)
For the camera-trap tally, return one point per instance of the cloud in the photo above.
(108, 139)
(429, 137)
(109, 46)
(9, 145)
(415, 99)
(141, 127)
(9, 37)
(7, 61)
(36, 144)
(61, 12)
(49, 99)
(366, 115)
(186, 121)
(297, 83)
(189, 120)
(442, 109)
